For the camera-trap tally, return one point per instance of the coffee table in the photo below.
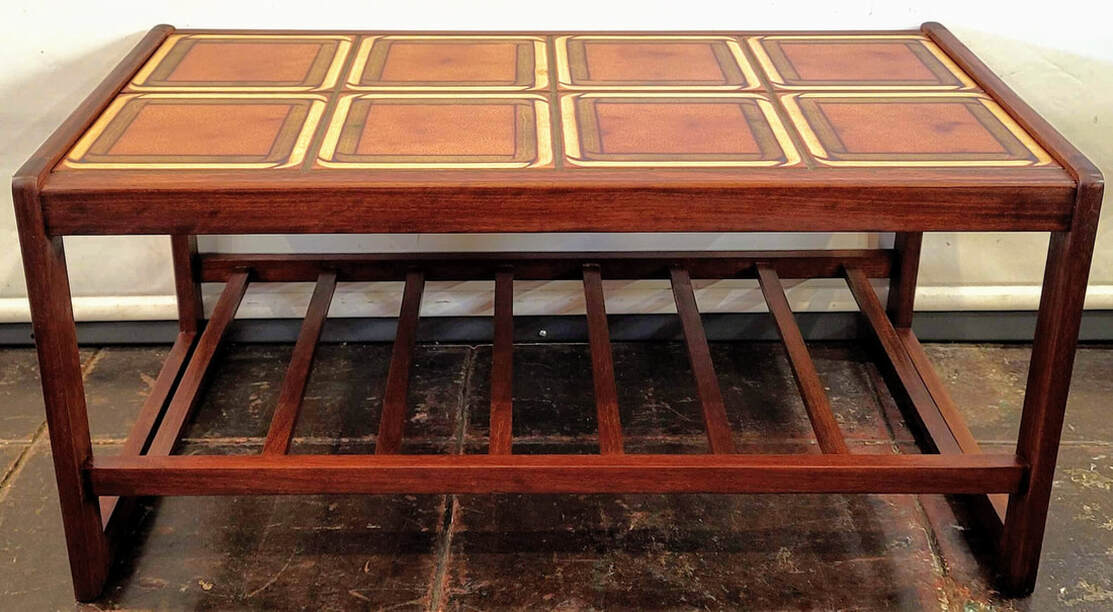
(218, 132)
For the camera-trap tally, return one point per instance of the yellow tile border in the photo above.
(297, 153)
(572, 138)
(564, 73)
(540, 68)
(339, 116)
(816, 148)
(777, 80)
(344, 45)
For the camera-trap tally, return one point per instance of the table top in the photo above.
(600, 117)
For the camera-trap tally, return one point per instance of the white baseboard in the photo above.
(288, 300)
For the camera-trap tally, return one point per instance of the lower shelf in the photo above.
(954, 463)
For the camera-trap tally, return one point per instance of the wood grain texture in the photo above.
(188, 394)
(811, 388)
(115, 511)
(301, 364)
(930, 420)
(719, 436)
(392, 421)
(48, 290)
(902, 282)
(602, 363)
(414, 474)
(187, 283)
(502, 366)
(637, 265)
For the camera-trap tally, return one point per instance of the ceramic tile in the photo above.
(867, 62)
(910, 129)
(245, 62)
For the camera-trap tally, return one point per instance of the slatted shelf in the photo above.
(502, 366)
(826, 428)
(147, 466)
(301, 362)
(393, 418)
(715, 419)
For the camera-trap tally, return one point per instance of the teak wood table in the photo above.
(216, 132)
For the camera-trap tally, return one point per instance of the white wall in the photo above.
(1060, 59)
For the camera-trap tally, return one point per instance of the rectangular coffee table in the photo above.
(222, 132)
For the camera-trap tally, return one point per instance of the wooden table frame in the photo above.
(98, 492)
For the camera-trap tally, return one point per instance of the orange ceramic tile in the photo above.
(227, 62)
(200, 131)
(648, 63)
(438, 131)
(673, 129)
(461, 63)
(910, 129)
(857, 62)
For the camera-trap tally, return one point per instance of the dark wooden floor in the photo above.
(557, 552)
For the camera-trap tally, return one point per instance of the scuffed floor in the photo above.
(872, 552)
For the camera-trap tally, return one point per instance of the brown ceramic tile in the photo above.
(20, 395)
(987, 384)
(34, 570)
(857, 62)
(910, 129)
(639, 62)
(685, 551)
(301, 552)
(343, 397)
(657, 396)
(222, 62)
(21, 399)
(677, 129)
(116, 386)
(430, 131)
(10, 452)
(194, 131)
(1077, 550)
(468, 63)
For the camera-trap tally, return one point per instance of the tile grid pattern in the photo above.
(504, 101)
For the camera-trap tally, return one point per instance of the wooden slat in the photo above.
(187, 394)
(502, 366)
(955, 423)
(602, 363)
(393, 419)
(375, 267)
(148, 417)
(930, 418)
(301, 363)
(707, 384)
(417, 474)
(826, 428)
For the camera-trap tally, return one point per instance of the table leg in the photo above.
(1049, 373)
(48, 290)
(187, 283)
(902, 280)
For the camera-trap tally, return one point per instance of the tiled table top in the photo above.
(317, 102)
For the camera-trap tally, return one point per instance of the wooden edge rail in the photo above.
(931, 421)
(149, 416)
(417, 474)
(187, 395)
(602, 363)
(699, 356)
(301, 364)
(947, 408)
(932, 406)
(502, 366)
(217, 267)
(815, 399)
(392, 421)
